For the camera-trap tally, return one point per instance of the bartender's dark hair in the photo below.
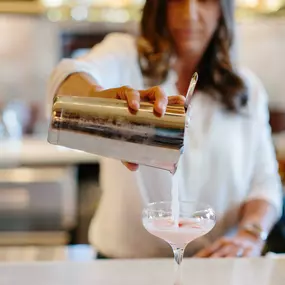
(216, 71)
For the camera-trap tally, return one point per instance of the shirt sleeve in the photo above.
(265, 183)
(108, 63)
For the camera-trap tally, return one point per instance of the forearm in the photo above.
(78, 84)
(259, 212)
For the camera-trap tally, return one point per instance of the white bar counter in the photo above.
(261, 271)
(37, 151)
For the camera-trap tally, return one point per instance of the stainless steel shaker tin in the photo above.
(106, 127)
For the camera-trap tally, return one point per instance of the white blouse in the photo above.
(228, 159)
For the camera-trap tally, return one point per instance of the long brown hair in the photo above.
(217, 75)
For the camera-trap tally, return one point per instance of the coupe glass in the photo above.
(195, 220)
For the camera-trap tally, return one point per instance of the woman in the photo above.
(229, 159)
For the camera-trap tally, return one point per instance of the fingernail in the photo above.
(98, 88)
(161, 107)
(135, 104)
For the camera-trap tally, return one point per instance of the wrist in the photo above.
(78, 84)
(253, 231)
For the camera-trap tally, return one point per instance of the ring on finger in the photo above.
(240, 252)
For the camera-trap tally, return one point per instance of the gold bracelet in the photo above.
(255, 230)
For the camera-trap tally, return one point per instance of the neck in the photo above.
(186, 65)
(185, 70)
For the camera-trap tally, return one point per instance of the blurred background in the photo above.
(48, 194)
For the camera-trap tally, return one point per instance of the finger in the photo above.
(247, 252)
(208, 251)
(176, 100)
(157, 95)
(107, 93)
(98, 88)
(131, 96)
(124, 93)
(131, 166)
(160, 101)
(226, 251)
(203, 253)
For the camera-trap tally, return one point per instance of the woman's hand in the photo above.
(240, 245)
(81, 84)
(134, 97)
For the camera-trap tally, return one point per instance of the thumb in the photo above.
(176, 100)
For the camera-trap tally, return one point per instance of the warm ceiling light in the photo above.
(263, 4)
(96, 3)
(52, 3)
(117, 3)
(248, 3)
(274, 5)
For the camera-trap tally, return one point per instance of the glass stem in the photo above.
(178, 257)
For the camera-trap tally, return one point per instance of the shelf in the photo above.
(21, 7)
(33, 238)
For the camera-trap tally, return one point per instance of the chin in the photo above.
(189, 46)
(190, 51)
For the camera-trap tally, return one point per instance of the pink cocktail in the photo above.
(187, 230)
(195, 220)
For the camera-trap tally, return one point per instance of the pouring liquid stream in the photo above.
(175, 205)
